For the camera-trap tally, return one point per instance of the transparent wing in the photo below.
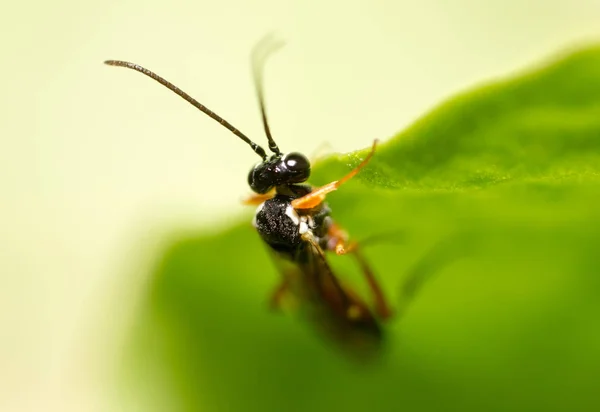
(335, 311)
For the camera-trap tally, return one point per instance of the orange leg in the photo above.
(256, 199)
(278, 294)
(381, 306)
(342, 247)
(339, 240)
(317, 196)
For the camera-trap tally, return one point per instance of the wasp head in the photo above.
(279, 169)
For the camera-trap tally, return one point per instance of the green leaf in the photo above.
(493, 198)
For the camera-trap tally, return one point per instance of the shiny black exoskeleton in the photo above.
(280, 169)
(282, 227)
(302, 234)
(277, 222)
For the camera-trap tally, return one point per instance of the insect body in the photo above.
(294, 220)
(298, 232)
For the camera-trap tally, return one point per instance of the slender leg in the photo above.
(341, 246)
(338, 240)
(325, 275)
(381, 306)
(278, 295)
(256, 199)
(317, 196)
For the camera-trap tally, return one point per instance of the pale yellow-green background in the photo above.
(97, 163)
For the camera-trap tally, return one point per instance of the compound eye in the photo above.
(296, 162)
(259, 179)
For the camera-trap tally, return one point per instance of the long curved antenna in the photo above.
(268, 45)
(257, 149)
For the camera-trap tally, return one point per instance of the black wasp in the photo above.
(294, 220)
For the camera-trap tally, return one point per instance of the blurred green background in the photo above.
(108, 192)
(492, 199)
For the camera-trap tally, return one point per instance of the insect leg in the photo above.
(327, 282)
(339, 243)
(278, 294)
(317, 196)
(256, 199)
(341, 246)
(382, 308)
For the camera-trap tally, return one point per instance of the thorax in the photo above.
(282, 227)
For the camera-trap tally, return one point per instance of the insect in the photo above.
(295, 222)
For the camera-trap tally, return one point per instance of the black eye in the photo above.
(296, 162)
(260, 178)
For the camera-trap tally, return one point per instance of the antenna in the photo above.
(268, 45)
(257, 149)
